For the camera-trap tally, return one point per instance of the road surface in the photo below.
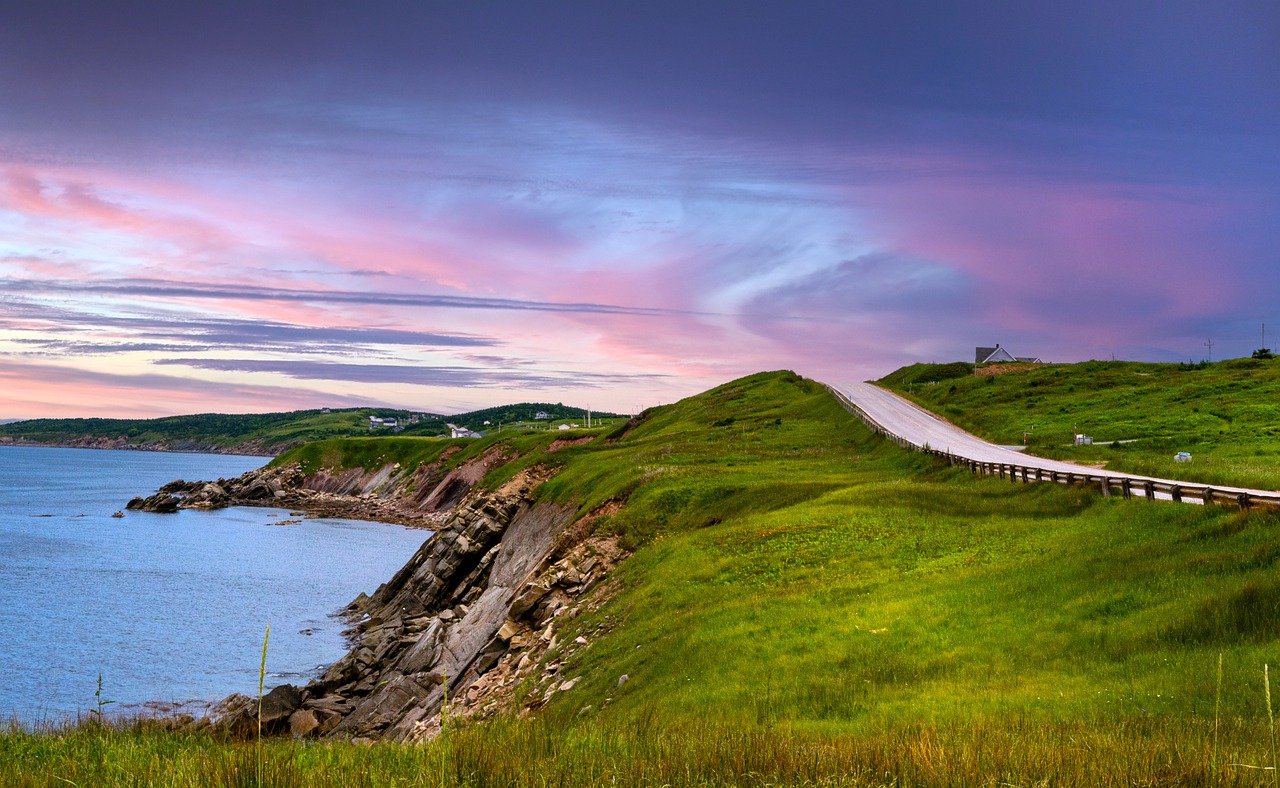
(910, 422)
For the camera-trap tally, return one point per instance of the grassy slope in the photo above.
(225, 430)
(808, 603)
(1226, 414)
(278, 429)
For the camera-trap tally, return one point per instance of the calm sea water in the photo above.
(166, 607)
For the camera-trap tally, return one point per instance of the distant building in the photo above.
(458, 431)
(542, 414)
(378, 423)
(998, 355)
(1182, 456)
(1083, 440)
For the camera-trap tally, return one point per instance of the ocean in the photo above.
(167, 608)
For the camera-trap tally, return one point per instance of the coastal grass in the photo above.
(810, 605)
(1226, 414)
(1008, 749)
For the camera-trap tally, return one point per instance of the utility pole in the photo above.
(1209, 344)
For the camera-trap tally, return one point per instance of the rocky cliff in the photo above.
(473, 613)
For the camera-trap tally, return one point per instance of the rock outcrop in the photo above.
(416, 497)
(471, 614)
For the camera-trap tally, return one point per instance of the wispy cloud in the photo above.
(418, 375)
(174, 290)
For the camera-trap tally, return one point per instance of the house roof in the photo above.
(982, 355)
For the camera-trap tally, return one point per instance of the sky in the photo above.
(247, 206)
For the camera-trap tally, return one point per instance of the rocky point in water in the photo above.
(475, 610)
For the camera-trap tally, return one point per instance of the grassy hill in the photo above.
(271, 432)
(808, 604)
(1227, 414)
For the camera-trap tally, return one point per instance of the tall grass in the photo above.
(262, 675)
(1008, 749)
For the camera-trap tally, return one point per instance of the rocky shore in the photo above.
(474, 612)
(248, 448)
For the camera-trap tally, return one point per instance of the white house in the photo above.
(458, 431)
(542, 414)
(998, 355)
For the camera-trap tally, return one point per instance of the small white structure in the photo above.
(541, 415)
(376, 423)
(1182, 456)
(458, 431)
(1083, 440)
(564, 427)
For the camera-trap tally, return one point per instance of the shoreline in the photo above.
(237, 451)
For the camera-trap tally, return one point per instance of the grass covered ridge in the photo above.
(808, 604)
(276, 431)
(1227, 414)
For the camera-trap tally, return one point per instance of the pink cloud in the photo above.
(31, 390)
(1086, 262)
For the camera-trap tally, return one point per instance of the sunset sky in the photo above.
(262, 206)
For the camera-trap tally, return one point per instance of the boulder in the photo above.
(238, 714)
(303, 722)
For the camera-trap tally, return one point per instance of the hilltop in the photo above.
(270, 433)
(1225, 414)
(794, 601)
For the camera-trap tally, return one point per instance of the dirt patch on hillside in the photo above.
(991, 370)
(561, 443)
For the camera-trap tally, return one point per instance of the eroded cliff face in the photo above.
(475, 610)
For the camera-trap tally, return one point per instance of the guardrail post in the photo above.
(1242, 500)
(1105, 482)
(1039, 476)
(1175, 493)
(1208, 496)
(1125, 489)
(1149, 490)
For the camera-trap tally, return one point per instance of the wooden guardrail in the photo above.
(1106, 484)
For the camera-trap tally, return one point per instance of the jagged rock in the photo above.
(238, 714)
(528, 598)
(467, 607)
(161, 503)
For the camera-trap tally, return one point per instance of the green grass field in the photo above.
(1227, 414)
(809, 605)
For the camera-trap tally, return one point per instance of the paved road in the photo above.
(919, 427)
